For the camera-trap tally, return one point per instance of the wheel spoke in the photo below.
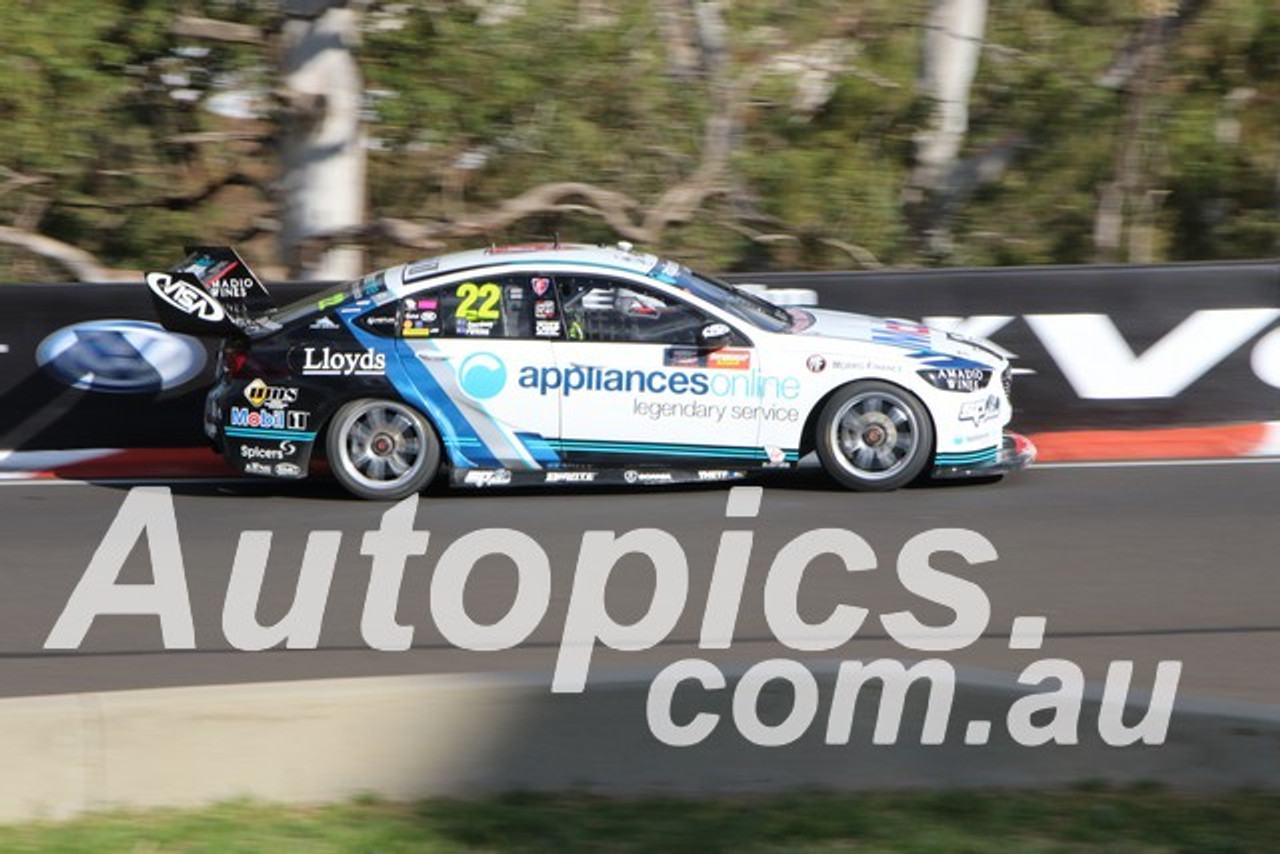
(399, 464)
(400, 425)
(360, 458)
(377, 420)
(377, 468)
(360, 434)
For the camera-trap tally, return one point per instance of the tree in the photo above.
(743, 135)
(106, 155)
(943, 181)
(320, 133)
(1128, 202)
(952, 46)
(323, 174)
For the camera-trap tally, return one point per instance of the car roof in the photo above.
(621, 256)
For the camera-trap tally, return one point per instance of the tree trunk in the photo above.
(952, 47)
(954, 32)
(678, 24)
(595, 15)
(324, 146)
(1128, 203)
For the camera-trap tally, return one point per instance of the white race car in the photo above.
(576, 364)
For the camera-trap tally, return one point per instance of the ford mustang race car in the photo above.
(575, 364)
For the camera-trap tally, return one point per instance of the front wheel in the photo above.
(382, 449)
(874, 436)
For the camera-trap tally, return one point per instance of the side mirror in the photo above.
(714, 336)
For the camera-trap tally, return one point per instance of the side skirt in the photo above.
(634, 476)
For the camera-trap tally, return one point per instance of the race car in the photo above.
(574, 364)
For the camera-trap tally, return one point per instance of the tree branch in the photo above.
(624, 214)
(79, 263)
(209, 29)
(17, 180)
(176, 201)
(615, 208)
(862, 256)
(218, 137)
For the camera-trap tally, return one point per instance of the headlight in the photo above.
(957, 379)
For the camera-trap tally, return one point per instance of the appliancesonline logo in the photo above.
(751, 384)
(482, 375)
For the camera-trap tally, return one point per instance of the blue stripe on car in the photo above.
(249, 433)
(415, 384)
(965, 458)
(666, 449)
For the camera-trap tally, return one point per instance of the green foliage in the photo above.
(592, 106)
(88, 112)
(1140, 819)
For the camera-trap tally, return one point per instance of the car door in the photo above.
(463, 343)
(637, 385)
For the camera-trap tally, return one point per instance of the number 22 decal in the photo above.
(487, 295)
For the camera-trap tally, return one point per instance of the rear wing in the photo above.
(211, 292)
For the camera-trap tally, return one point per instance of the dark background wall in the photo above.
(1124, 346)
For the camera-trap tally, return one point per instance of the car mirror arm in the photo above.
(714, 336)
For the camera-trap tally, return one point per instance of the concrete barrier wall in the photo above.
(412, 737)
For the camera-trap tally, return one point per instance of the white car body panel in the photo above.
(762, 397)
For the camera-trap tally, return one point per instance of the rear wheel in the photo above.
(874, 436)
(382, 449)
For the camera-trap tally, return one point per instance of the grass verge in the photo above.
(1145, 819)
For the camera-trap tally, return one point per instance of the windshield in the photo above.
(741, 304)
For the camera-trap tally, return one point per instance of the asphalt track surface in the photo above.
(1141, 562)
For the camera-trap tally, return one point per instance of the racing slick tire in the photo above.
(874, 436)
(382, 449)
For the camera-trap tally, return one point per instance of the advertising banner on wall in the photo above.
(1099, 346)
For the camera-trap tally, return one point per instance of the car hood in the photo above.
(923, 341)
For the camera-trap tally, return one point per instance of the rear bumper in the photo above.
(1015, 452)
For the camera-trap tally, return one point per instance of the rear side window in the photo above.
(512, 306)
(381, 321)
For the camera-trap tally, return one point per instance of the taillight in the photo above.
(235, 363)
(238, 364)
(240, 360)
(232, 360)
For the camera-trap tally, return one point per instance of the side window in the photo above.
(380, 321)
(483, 307)
(599, 309)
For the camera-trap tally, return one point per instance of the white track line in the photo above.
(16, 479)
(120, 481)
(1130, 464)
